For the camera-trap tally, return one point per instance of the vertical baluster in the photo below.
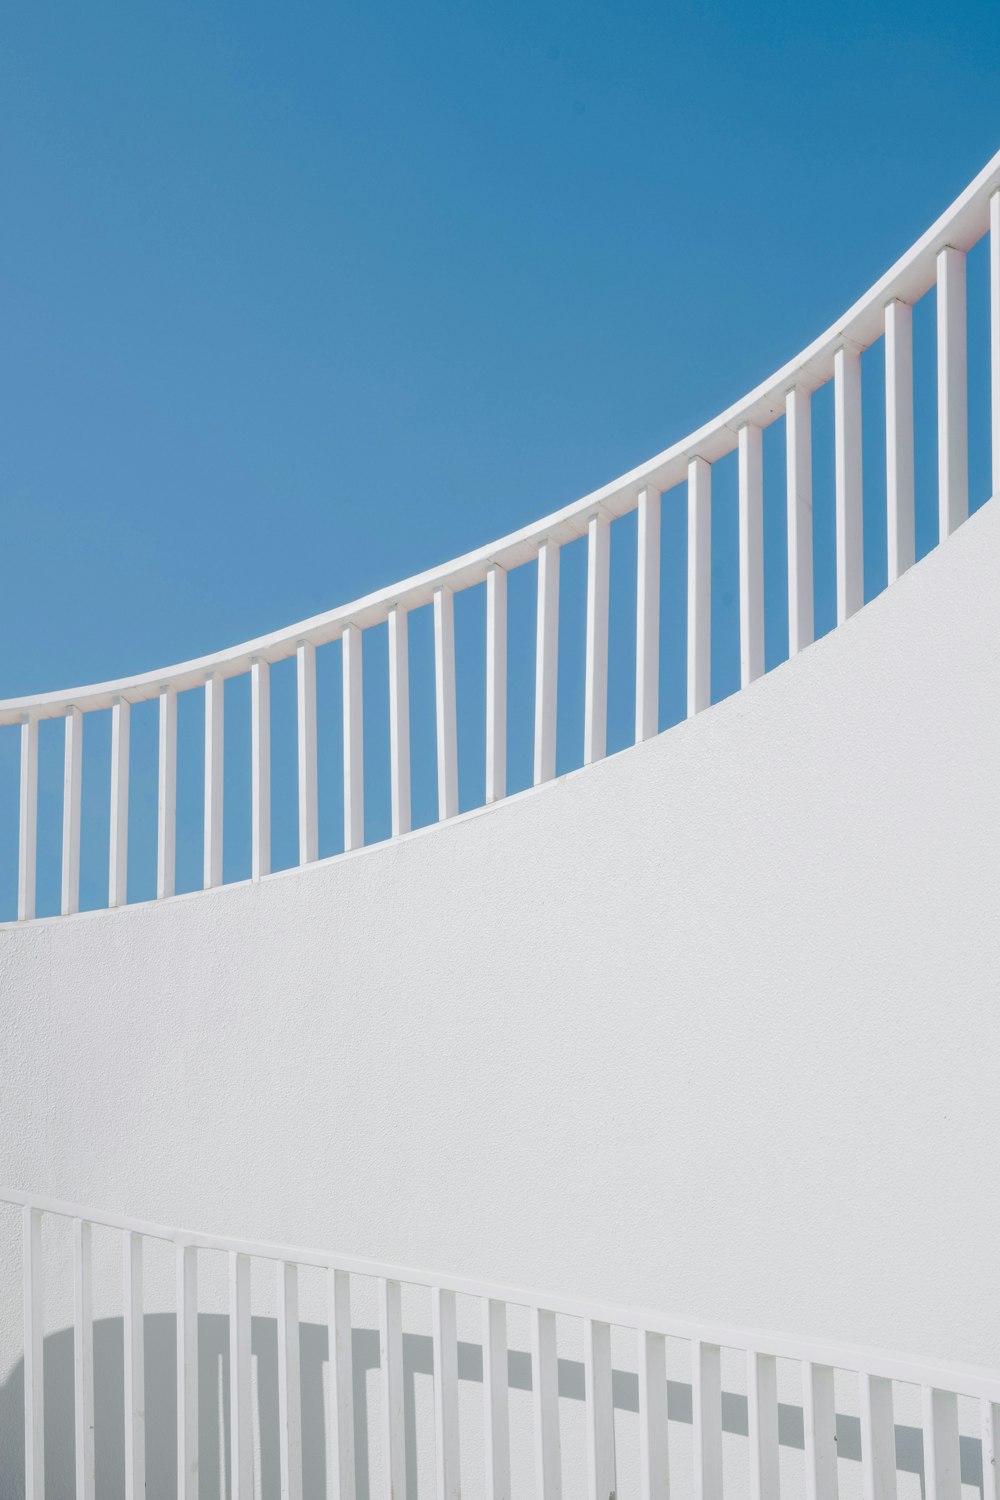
(391, 1365)
(762, 1418)
(214, 730)
(654, 1454)
(496, 683)
(847, 450)
(647, 616)
(496, 1400)
(942, 1460)
(953, 419)
(601, 1482)
(798, 463)
(595, 711)
(260, 768)
(449, 1483)
(121, 714)
(166, 797)
(699, 603)
(819, 1411)
(706, 1388)
(240, 1379)
(354, 741)
(899, 436)
(751, 509)
(444, 702)
(83, 1362)
(545, 1401)
(34, 1344)
(289, 1383)
(72, 780)
(989, 1419)
(134, 1346)
(305, 682)
(340, 1416)
(399, 718)
(28, 826)
(187, 1372)
(546, 662)
(878, 1439)
(995, 336)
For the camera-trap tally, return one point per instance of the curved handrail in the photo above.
(959, 227)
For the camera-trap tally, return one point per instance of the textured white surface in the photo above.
(710, 1026)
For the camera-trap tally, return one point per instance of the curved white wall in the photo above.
(712, 1026)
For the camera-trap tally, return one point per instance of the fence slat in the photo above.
(496, 1400)
(289, 1383)
(496, 683)
(989, 1429)
(798, 466)
(762, 1419)
(134, 1346)
(445, 1336)
(305, 715)
(27, 843)
(391, 1367)
(952, 379)
(83, 1362)
(819, 1412)
(546, 662)
(121, 715)
(340, 1415)
(995, 338)
(214, 731)
(942, 1459)
(34, 1345)
(187, 1372)
(595, 707)
(601, 1483)
(847, 456)
(654, 1453)
(399, 718)
(899, 437)
(166, 795)
(260, 769)
(647, 615)
(72, 782)
(706, 1392)
(878, 1439)
(751, 529)
(444, 703)
(699, 602)
(545, 1402)
(240, 1379)
(354, 740)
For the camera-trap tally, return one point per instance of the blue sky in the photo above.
(298, 299)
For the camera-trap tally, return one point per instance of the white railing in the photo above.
(819, 1370)
(937, 260)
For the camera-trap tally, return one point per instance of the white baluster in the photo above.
(989, 1428)
(847, 455)
(34, 1343)
(878, 1439)
(819, 1411)
(751, 527)
(995, 337)
(496, 683)
(305, 680)
(496, 1400)
(187, 1372)
(134, 1345)
(762, 1418)
(545, 1401)
(121, 714)
(699, 570)
(214, 730)
(654, 1454)
(706, 1389)
(260, 768)
(449, 1482)
(72, 781)
(166, 799)
(546, 662)
(595, 711)
(899, 437)
(240, 1380)
(399, 718)
(289, 1383)
(444, 702)
(28, 826)
(942, 1459)
(953, 418)
(354, 742)
(647, 616)
(340, 1414)
(798, 463)
(391, 1366)
(83, 1362)
(601, 1482)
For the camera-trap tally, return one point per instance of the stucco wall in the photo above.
(712, 1026)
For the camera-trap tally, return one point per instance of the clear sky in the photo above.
(298, 299)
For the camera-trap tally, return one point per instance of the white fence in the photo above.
(880, 1383)
(938, 260)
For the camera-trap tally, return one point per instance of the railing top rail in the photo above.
(960, 226)
(966, 1380)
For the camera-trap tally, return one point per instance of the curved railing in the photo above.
(936, 260)
(822, 1379)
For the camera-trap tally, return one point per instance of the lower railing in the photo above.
(842, 1409)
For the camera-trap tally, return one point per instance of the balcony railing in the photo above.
(937, 260)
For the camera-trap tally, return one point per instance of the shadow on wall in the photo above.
(213, 1375)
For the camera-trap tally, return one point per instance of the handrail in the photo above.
(959, 227)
